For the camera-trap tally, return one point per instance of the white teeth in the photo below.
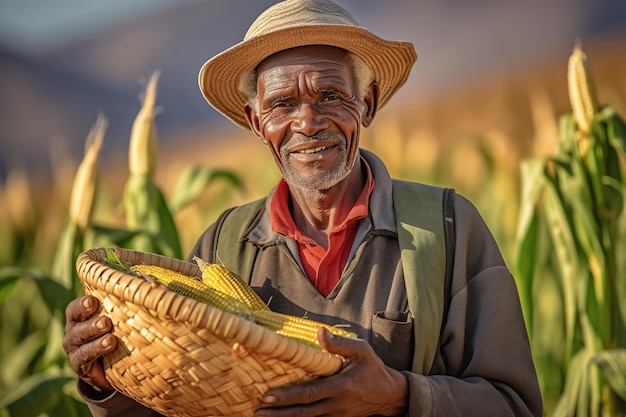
(313, 150)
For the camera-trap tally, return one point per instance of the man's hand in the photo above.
(87, 338)
(364, 386)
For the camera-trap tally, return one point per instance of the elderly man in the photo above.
(327, 240)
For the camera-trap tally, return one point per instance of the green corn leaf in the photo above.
(567, 130)
(583, 398)
(566, 253)
(532, 178)
(55, 294)
(595, 164)
(528, 260)
(573, 389)
(70, 405)
(585, 226)
(15, 365)
(195, 180)
(612, 364)
(69, 246)
(9, 277)
(115, 261)
(100, 236)
(615, 129)
(589, 238)
(35, 395)
(54, 354)
(148, 212)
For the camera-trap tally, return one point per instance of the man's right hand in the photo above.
(88, 337)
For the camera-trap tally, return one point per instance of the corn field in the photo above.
(556, 211)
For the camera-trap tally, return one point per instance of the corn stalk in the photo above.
(570, 236)
(146, 208)
(35, 378)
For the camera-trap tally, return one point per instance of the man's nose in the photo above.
(308, 120)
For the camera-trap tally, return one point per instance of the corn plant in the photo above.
(570, 262)
(35, 376)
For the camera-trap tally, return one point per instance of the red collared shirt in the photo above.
(323, 267)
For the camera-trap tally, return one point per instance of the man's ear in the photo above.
(253, 121)
(371, 103)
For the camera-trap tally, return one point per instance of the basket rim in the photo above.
(163, 303)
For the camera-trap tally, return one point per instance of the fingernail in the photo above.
(100, 324)
(87, 303)
(269, 399)
(106, 342)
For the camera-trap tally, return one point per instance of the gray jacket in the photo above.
(483, 365)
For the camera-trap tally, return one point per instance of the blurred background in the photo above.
(487, 93)
(486, 70)
(483, 66)
(63, 62)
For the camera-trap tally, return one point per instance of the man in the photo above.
(305, 80)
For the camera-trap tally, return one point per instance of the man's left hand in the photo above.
(363, 387)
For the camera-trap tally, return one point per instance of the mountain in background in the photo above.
(468, 52)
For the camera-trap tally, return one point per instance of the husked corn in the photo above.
(225, 280)
(195, 289)
(223, 289)
(299, 328)
(212, 297)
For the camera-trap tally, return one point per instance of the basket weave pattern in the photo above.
(185, 358)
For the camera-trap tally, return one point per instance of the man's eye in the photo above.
(331, 97)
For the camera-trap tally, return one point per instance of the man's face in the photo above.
(310, 115)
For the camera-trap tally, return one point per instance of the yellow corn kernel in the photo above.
(211, 296)
(194, 288)
(164, 275)
(225, 280)
(299, 328)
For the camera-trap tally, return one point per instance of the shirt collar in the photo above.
(282, 220)
(381, 211)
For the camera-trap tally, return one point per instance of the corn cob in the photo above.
(225, 280)
(299, 328)
(194, 288)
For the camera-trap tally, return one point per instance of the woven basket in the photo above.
(184, 358)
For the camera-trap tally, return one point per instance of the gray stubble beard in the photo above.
(326, 181)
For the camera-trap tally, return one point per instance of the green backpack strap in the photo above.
(422, 228)
(230, 249)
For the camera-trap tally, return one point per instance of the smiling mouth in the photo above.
(312, 150)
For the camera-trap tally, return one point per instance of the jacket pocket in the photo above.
(392, 338)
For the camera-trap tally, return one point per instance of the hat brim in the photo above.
(390, 61)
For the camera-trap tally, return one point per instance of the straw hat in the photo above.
(294, 23)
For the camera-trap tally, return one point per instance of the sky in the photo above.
(68, 60)
(32, 26)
